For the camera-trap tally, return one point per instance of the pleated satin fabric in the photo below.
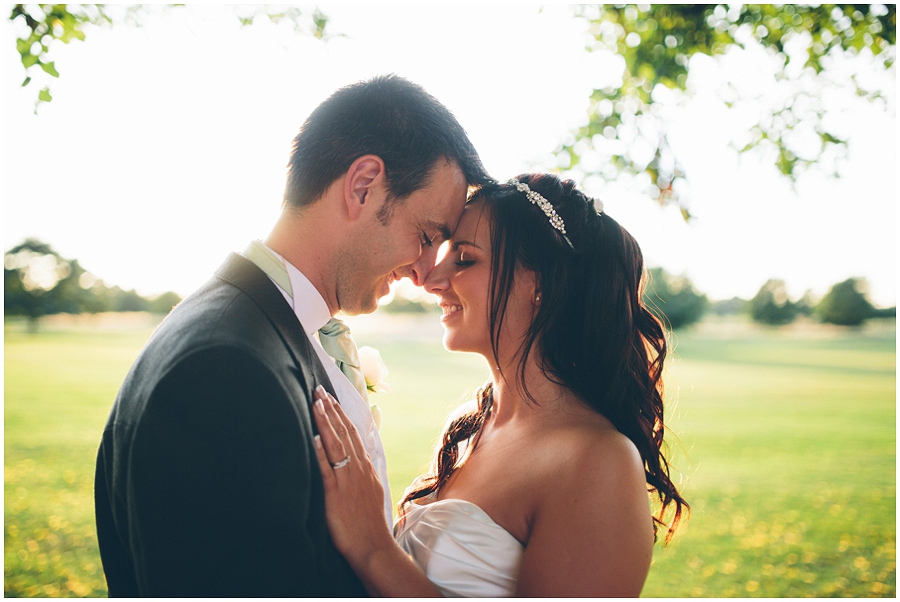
(461, 549)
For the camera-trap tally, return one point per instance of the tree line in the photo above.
(845, 304)
(38, 281)
(678, 304)
(654, 45)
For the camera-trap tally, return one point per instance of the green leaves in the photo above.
(657, 43)
(46, 24)
(301, 19)
(50, 69)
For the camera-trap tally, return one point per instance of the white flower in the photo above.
(373, 369)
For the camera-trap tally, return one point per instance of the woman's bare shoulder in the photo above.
(591, 530)
(592, 456)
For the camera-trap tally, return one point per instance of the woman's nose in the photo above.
(436, 281)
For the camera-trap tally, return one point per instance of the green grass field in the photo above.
(786, 440)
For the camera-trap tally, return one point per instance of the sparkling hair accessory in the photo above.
(536, 199)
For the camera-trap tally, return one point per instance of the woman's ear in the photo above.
(363, 181)
(535, 287)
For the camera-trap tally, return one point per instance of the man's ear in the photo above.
(363, 183)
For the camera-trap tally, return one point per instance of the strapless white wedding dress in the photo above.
(461, 549)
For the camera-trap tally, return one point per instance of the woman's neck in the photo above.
(513, 401)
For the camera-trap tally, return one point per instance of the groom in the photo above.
(207, 482)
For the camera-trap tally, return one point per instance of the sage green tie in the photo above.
(334, 336)
(337, 342)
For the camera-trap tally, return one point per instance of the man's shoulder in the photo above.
(217, 313)
(216, 316)
(217, 333)
(216, 301)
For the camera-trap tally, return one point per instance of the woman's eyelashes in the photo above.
(462, 262)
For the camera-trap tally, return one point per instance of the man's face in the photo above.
(402, 241)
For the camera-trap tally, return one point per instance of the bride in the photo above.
(540, 487)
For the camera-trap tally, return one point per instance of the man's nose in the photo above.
(419, 270)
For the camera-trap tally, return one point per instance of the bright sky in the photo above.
(164, 146)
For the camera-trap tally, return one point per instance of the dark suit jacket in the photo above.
(207, 482)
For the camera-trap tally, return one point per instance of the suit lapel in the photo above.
(245, 275)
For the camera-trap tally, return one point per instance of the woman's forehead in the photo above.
(474, 226)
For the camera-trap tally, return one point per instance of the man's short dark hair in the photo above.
(387, 116)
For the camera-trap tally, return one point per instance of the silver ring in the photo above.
(342, 463)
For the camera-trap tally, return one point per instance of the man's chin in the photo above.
(367, 303)
(366, 306)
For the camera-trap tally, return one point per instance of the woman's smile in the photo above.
(449, 309)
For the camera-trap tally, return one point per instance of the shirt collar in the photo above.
(308, 303)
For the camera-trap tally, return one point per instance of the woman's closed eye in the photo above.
(462, 262)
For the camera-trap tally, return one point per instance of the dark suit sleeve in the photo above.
(219, 483)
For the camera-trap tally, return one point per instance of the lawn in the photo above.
(785, 440)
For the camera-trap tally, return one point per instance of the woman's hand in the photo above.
(354, 497)
(354, 508)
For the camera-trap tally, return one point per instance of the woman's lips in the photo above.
(450, 309)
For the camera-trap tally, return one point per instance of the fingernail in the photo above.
(317, 441)
(320, 391)
(320, 407)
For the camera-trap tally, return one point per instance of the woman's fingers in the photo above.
(332, 432)
(354, 497)
(337, 416)
(328, 478)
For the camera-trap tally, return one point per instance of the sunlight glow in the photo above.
(167, 144)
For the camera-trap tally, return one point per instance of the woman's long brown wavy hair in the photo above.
(592, 332)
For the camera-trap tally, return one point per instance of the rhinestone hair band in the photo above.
(536, 199)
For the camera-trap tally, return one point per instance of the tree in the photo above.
(673, 298)
(164, 303)
(38, 281)
(846, 304)
(130, 300)
(655, 46)
(885, 312)
(771, 304)
(729, 307)
(402, 305)
(44, 25)
(806, 306)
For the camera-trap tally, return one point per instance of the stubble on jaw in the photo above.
(356, 290)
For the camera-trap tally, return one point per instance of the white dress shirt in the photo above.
(312, 311)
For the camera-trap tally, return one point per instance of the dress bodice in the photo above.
(461, 549)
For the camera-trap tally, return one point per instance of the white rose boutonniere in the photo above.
(375, 372)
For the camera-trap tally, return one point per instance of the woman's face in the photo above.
(462, 280)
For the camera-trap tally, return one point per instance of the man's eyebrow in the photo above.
(443, 229)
